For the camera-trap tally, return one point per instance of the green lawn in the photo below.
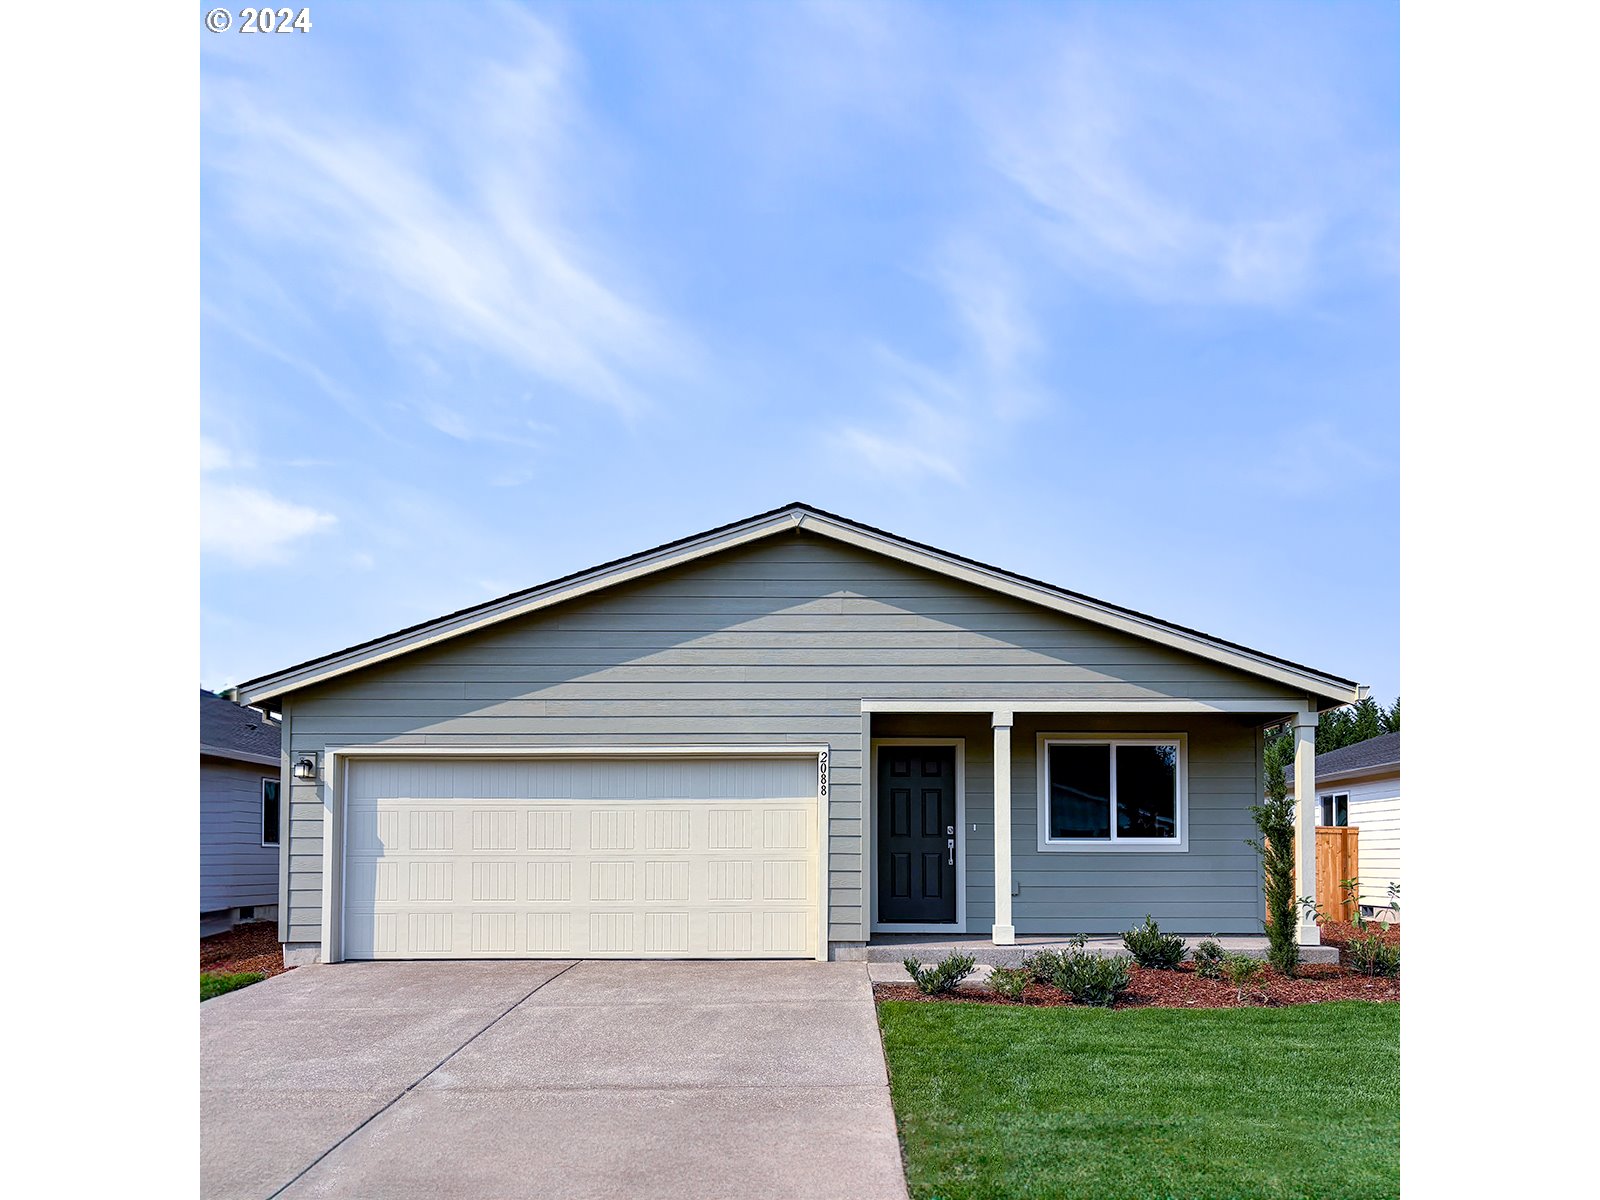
(215, 984)
(999, 1102)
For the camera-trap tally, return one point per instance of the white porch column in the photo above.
(1005, 933)
(1305, 821)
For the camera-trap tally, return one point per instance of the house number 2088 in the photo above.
(822, 773)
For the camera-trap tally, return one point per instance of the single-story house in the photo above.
(241, 780)
(779, 737)
(1359, 785)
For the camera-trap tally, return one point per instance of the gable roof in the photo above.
(229, 731)
(1331, 688)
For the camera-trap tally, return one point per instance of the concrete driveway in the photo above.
(548, 1079)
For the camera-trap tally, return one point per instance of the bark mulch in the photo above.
(1182, 988)
(252, 947)
(1342, 933)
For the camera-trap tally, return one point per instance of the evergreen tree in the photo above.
(1390, 720)
(1274, 819)
(1354, 723)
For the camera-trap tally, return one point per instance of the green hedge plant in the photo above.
(944, 976)
(1208, 956)
(1370, 955)
(1092, 979)
(1152, 948)
(1241, 970)
(1010, 982)
(1042, 965)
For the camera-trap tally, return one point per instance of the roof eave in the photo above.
(267, 760)
(1316, 684)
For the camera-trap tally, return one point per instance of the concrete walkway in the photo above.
(511, 1079)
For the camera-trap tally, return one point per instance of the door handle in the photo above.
(950, 844)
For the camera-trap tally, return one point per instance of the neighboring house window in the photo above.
(1112, 792)
(269, 812)
(1336, 809)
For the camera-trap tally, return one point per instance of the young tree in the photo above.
(1274, 819)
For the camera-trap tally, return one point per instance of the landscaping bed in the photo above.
(1274, 1103)
(1182, 988)
(1342, 933)
(244, 949)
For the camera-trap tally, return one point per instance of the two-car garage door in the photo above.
(627, 857)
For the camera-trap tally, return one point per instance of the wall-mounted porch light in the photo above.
(305, 767)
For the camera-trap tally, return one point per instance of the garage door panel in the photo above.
(441, 864)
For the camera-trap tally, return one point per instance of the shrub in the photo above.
(1092, 978)
(1241, 970)
(1152, 948)
(1208, 956)
(1370, 955)
(1042, 966)
(1010, 981)
(943, 976)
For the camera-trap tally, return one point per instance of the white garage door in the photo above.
(689, 857)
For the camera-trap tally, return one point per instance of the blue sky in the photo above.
(1104, 294)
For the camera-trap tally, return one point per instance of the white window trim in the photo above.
(1113, 844)
(1333, 809)
(262, 811)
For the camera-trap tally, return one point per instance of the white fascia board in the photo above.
(1148, 629)
(1355, 775)
(266, 760)
(325, 669)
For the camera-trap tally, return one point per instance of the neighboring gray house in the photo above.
(779, 737)
(1359, 785)
(240, 783)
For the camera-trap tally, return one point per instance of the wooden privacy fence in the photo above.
(1338, 857)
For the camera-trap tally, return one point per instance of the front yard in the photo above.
(1001, 1100)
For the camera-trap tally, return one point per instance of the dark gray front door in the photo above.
(917, 834)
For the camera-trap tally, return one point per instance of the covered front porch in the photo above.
(1000, 827)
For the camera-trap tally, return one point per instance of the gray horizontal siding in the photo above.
(235, 868)
(779, 642)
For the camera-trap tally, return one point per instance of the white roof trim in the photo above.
(1354, 775)
(266, 760)
(331, 666)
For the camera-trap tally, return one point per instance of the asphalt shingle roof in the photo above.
(1374, 752)
(225, 725)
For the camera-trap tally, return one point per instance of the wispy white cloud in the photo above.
(244, 524)
(452, 232)
(969, 405)
(251, 527)
(1319, 458)
(214, 456)
(898, 456)
(987, 293)
(1179, 162)
(929, 425)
